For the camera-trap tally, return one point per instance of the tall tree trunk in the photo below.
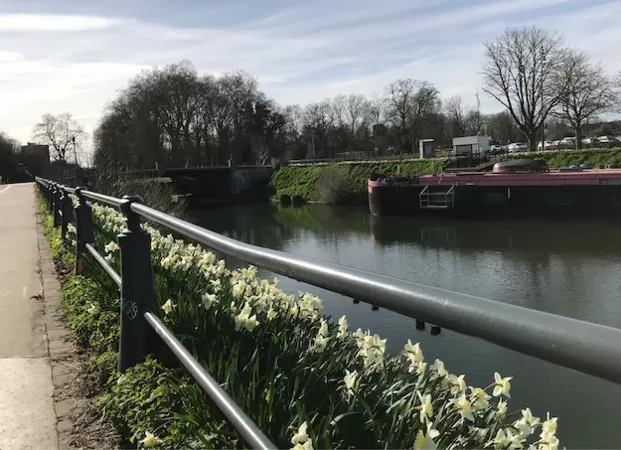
(578, 131)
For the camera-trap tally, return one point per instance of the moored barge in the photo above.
(515, 189)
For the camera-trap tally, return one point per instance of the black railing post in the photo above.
(83, 230)
(137, 289)
(56, 198)
(66, 206)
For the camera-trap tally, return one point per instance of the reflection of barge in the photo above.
(516, 188)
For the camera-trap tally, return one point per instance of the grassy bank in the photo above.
(307, 382)
(307, 182)
(558, 159)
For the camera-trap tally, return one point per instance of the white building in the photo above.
(471, 145)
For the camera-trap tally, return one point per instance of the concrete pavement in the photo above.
(27, 415)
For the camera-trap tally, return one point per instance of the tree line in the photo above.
(172, 116)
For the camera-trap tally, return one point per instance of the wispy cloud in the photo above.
(47, 23)
(301, 53)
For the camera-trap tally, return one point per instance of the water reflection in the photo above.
(563, 268)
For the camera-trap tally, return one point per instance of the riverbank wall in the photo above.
(346, 183)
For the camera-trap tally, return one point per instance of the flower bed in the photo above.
(306, 381)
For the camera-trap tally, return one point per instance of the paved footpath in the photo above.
(27, 415)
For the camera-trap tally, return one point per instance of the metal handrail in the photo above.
(104, 264)
(584, 346)
(240, 421)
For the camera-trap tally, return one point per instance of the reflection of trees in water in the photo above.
(254, 224)
(537, 238)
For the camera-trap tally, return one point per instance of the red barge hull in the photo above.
(554, 194)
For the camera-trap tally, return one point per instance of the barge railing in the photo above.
(583, 346)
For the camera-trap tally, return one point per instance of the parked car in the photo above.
(516, 147)
(607, 139)
(495, 150)
(548, 145)
(567, 142)
(590, 141)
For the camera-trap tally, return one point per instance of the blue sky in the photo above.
(71, 55)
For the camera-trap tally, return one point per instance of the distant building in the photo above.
(35, 158)
(43, 151)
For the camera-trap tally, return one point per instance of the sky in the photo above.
(75, 55)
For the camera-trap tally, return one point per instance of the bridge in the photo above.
(587, 347)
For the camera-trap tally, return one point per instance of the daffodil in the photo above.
(109, 258)
(502, 386)
(150, 440)
(308, 445)
(425, 441)
(413, 352)
(320, 343)
(111, 247)
(350, 379)
(479, 399)
(216, 285)
(208, 300)
(458, 383)
(323, 328)
(503, 438)
(501, 408)
(528, 417)
(342, 332)
(420, 368)
(550, 425)
(301, 436)
(271, 314)
(168, 307)
(438, 370)
(425, 407)
(464, 408)
(239, 288)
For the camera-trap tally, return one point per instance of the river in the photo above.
(570, 269)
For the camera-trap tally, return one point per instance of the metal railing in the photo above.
(587, 347)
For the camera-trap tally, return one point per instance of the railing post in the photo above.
(66, 206)
(56, 198)
(137, 291)
(83, 230)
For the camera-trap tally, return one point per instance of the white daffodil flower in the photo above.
(301, 436)
(425, 441)
(425, 407)
(168, 307)
(438, 370)
(320, 343)
(323, 328)
(479, 398)
(458, 383)
(111, 247)
(150, 440)
(208, 300)
(342, 332)
(350, 379)
(464, 408)
(502, 386)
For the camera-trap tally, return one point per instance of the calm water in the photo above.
(571, 269)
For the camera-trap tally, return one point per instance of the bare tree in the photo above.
(375, 108)
(455, 112)
(521, 67)
(62, 133)
(585, 91)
